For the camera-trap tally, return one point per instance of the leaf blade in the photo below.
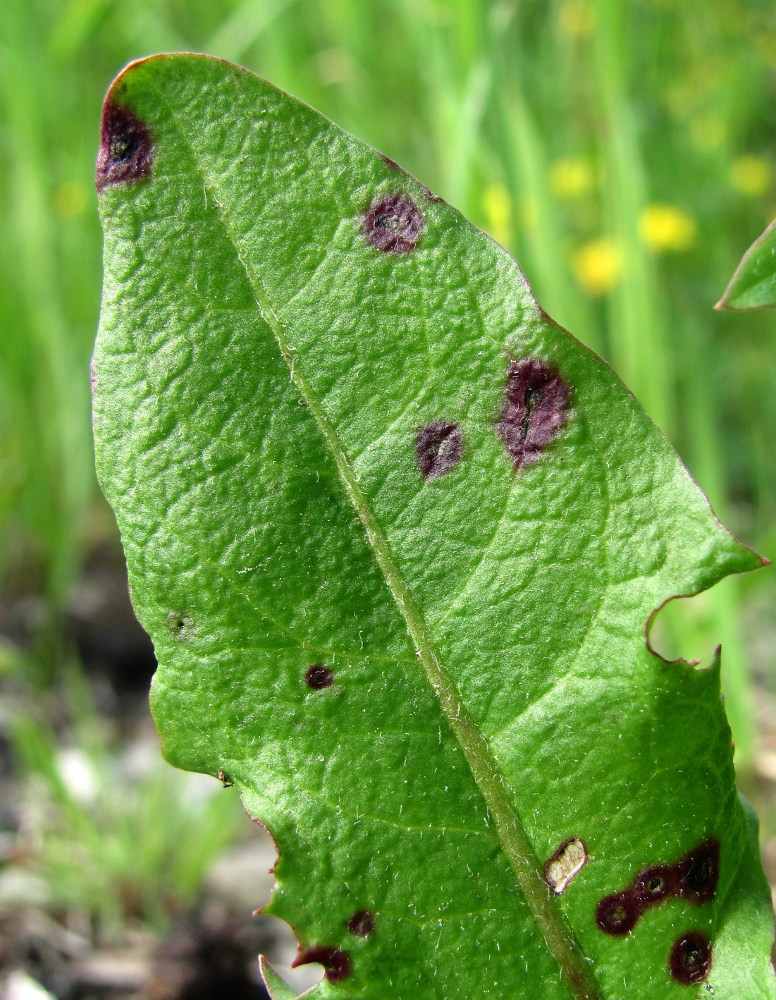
(753, 285)
(335, 362)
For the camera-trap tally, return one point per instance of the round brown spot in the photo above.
(690, 960)
(319, 676)
(655, 884)
(617, 914)
(393, 224)
(362, 923)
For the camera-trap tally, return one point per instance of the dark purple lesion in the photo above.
(318, 676)
(698, 873)
(362, 923)
(536, 401)
(336, 962)
(438, 448)
(693, 877)
(690, 959)
(393, 224)
(126, 147)
(655, 884)
(618, 914)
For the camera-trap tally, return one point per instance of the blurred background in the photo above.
(623, 150)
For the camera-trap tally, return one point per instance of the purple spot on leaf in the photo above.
(617, 914)
(336, 963)
(319, 676)
(535, 402)
(698, 873)
(693, 877)
(655, 884)
(393, 224)
(690, 959)
(438, 447)
(362, 923)
(126, 147)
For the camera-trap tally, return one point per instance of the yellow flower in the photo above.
(666, 228)
(597, 265)
(498, 213)
(70, 199)
(571, 177)
(576, 18)
(751, 175)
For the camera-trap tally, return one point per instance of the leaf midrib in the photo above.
(490, 781)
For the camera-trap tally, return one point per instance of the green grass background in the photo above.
(557, 125)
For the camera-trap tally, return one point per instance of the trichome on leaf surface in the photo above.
(396, 536)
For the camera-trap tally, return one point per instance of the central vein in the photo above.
(487, 775)
(489, 779)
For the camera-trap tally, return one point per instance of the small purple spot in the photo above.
(393, 224)
(690, 959)
(438, 447)
(535, 402)
(617, 914)
(319, 676)
(389, 162)
(92, 375)
(126, 147)
(336, 963)
(362, 923)
(655, 884)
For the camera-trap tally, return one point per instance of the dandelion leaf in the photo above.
(396, 536)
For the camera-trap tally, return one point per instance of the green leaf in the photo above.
(277, 988)
(396, 536)
(753, 285)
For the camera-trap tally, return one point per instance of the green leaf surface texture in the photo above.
(419, 653)
(753, 286)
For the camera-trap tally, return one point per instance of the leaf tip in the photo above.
(276, 987)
